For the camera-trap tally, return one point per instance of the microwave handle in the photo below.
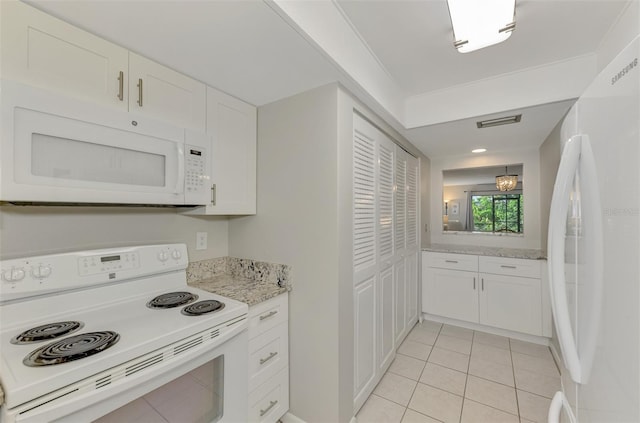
(180, 180)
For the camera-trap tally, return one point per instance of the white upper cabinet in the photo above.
(165, 94)
(232, 125)
(43, 51)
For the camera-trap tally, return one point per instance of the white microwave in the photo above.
(60, 150)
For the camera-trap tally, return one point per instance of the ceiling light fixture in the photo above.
(479, 150)
(478, 24)
(506, 182)
(499, 121)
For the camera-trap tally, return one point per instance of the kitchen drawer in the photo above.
(270, 401)
(268, 354)
(511, 266)
(465, 262)
(268, 314)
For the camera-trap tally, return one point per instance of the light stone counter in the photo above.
(487, 251)
(249, 281)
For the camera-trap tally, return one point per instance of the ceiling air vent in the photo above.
(499, 121)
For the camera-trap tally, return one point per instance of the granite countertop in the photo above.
(521, 253)
(250, 291)
(248, 281)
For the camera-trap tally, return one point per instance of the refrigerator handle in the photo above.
(556, 243)
(559, 402)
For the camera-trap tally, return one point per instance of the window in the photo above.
(497, 213)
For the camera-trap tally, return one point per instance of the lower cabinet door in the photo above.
(364, 296)
(270, 401)
(451, 293)
(511, 302)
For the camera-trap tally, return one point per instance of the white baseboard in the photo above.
(290, 418)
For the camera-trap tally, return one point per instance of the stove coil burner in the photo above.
(202, 307)
(46, 332)
(172, 299)
(72, 348)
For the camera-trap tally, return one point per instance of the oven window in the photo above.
(64, 158)
(195, 397)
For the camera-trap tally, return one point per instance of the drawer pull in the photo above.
(474, 283)
(451, 261)
(504, 266)
(264, 360)
(266, 316)
(266, 410)
(483, 284)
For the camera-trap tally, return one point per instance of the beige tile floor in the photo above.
(445, 373)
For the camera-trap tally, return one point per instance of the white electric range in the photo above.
(85, 333)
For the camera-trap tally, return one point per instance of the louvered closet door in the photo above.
(364, 199)
(400, 229)
(412, 202)
(365, 277)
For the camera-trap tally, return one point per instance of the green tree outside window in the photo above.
(498, 213)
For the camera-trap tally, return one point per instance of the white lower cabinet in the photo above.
(511, 302)
(451, 293)
(500, 292)
(268, 365)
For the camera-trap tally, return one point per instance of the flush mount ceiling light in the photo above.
(479, 150)
(499, 121)
(506, 182)
(478, 24)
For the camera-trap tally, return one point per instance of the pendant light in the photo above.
(506, 182)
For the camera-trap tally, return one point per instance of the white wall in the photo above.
(35, 230)
(550, 152)
(297, 225)
(531, 183)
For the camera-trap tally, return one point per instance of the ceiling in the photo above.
(250, 50)
(414, 41)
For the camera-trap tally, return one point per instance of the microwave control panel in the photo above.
(195, 177)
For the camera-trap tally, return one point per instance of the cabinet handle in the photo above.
(121, 86)
(504, 266)
(264, 360)
(140, 92)
(451, 261)
(474, 283)
(482, 284)
(266, 410)
(213, 194)
(266, 316)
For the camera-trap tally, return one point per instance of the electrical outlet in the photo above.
(201, 240)
(426, 227)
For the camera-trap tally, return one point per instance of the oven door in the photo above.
(201, 387)
(56, 149)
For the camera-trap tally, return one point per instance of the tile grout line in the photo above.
(466, 379)
(513, 371)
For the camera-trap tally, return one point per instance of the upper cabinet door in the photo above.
(232, 124)
(43, 51)
(165, 94)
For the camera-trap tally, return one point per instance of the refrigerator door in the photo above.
(608, 316)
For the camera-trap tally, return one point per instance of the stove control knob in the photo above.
(41, 271)
(15, 274)
(163, 256)
(176, 254)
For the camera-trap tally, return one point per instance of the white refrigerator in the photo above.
(594, 249)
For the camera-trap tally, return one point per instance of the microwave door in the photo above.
(60, 159)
